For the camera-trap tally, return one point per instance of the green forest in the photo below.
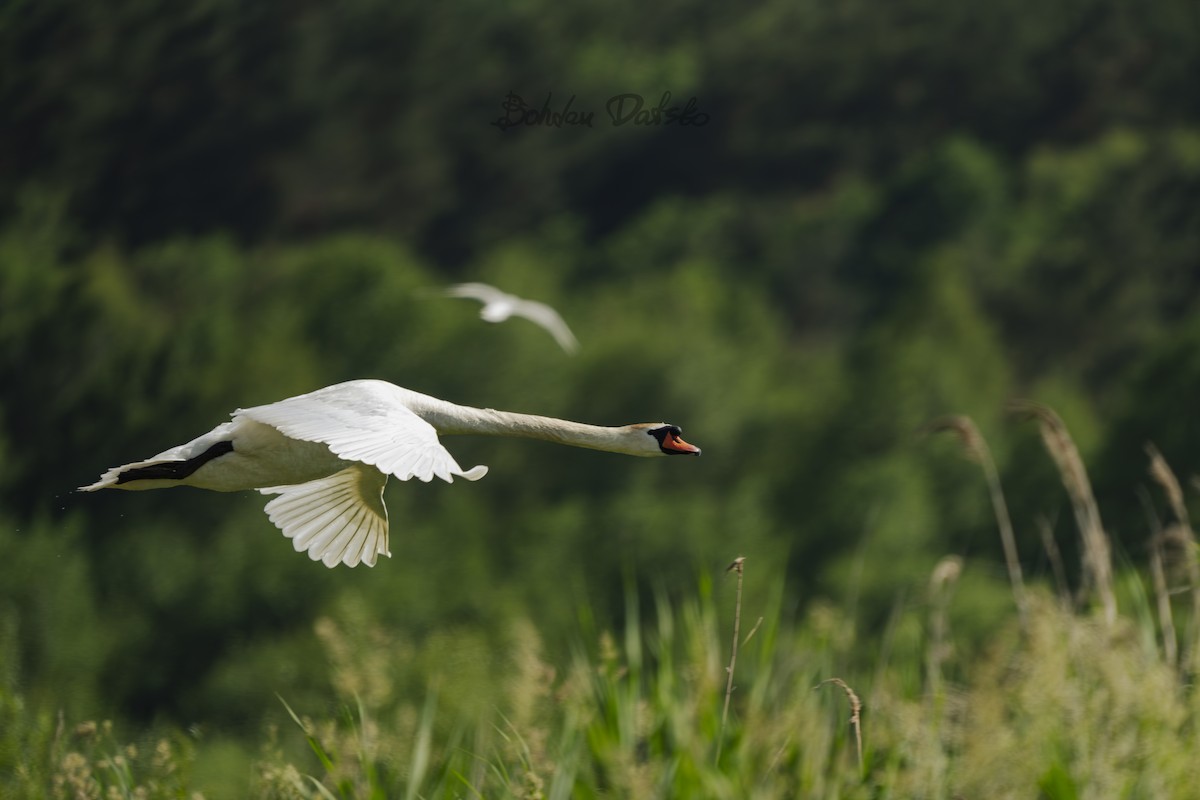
(921, 278)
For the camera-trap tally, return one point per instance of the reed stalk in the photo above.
(976, 449)
(1097, 555)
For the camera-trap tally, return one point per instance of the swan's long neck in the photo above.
(450, 419)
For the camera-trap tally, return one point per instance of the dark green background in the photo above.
(896, 211)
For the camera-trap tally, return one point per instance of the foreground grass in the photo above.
(1074, 707)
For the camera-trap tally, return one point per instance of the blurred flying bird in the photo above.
(499, 306)
(328, 454)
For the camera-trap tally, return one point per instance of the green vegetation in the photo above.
(1071, 707)
(924, 263)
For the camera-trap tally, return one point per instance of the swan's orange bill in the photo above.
(673, 444)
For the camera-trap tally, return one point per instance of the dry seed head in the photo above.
(855, 712)
(1059, 445)
(968, 434)
(1161, 472)
(1180, 536)
(1097, 555)
(855, 702)
(946, 571)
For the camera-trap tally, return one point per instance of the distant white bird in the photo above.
(499, 306)
(328, 454)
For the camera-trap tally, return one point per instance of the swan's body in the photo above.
(328, 454)
(500, 305)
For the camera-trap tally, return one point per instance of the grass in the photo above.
(1097, 555)
(738, 566)
(1092, 698)
(1076, 707)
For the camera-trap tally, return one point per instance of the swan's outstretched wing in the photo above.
(365, 421)
(499, 305)
(549, 319)
(338, 519)
(479, 291)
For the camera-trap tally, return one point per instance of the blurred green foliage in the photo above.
(896, 212)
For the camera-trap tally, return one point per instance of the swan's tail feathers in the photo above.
(340, 519)
(158, 472)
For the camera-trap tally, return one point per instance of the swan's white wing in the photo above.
(365, 421)
(479, 291)
(549, 319)
(339, 519)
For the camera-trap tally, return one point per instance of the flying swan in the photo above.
(327, 455)
(500, 305)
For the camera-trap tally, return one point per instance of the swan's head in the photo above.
(661, 439)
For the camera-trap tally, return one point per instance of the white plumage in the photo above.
(499, 305)
(327, 455)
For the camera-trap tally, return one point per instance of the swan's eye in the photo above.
(670, 441)
(666, 432)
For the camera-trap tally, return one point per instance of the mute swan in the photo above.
(327, 455)
(499, 306)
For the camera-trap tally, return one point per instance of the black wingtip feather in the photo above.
(175, 470)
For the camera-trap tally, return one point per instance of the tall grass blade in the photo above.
(1097, 555)
(421, 751)
(975, 447)
(855, 717)
(737, 565)
(1182, 535)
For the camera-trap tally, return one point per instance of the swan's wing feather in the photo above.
(183, 452)
(111, 476)
(365, 422)
(549, 319)
(339, 519)
(478, 291)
